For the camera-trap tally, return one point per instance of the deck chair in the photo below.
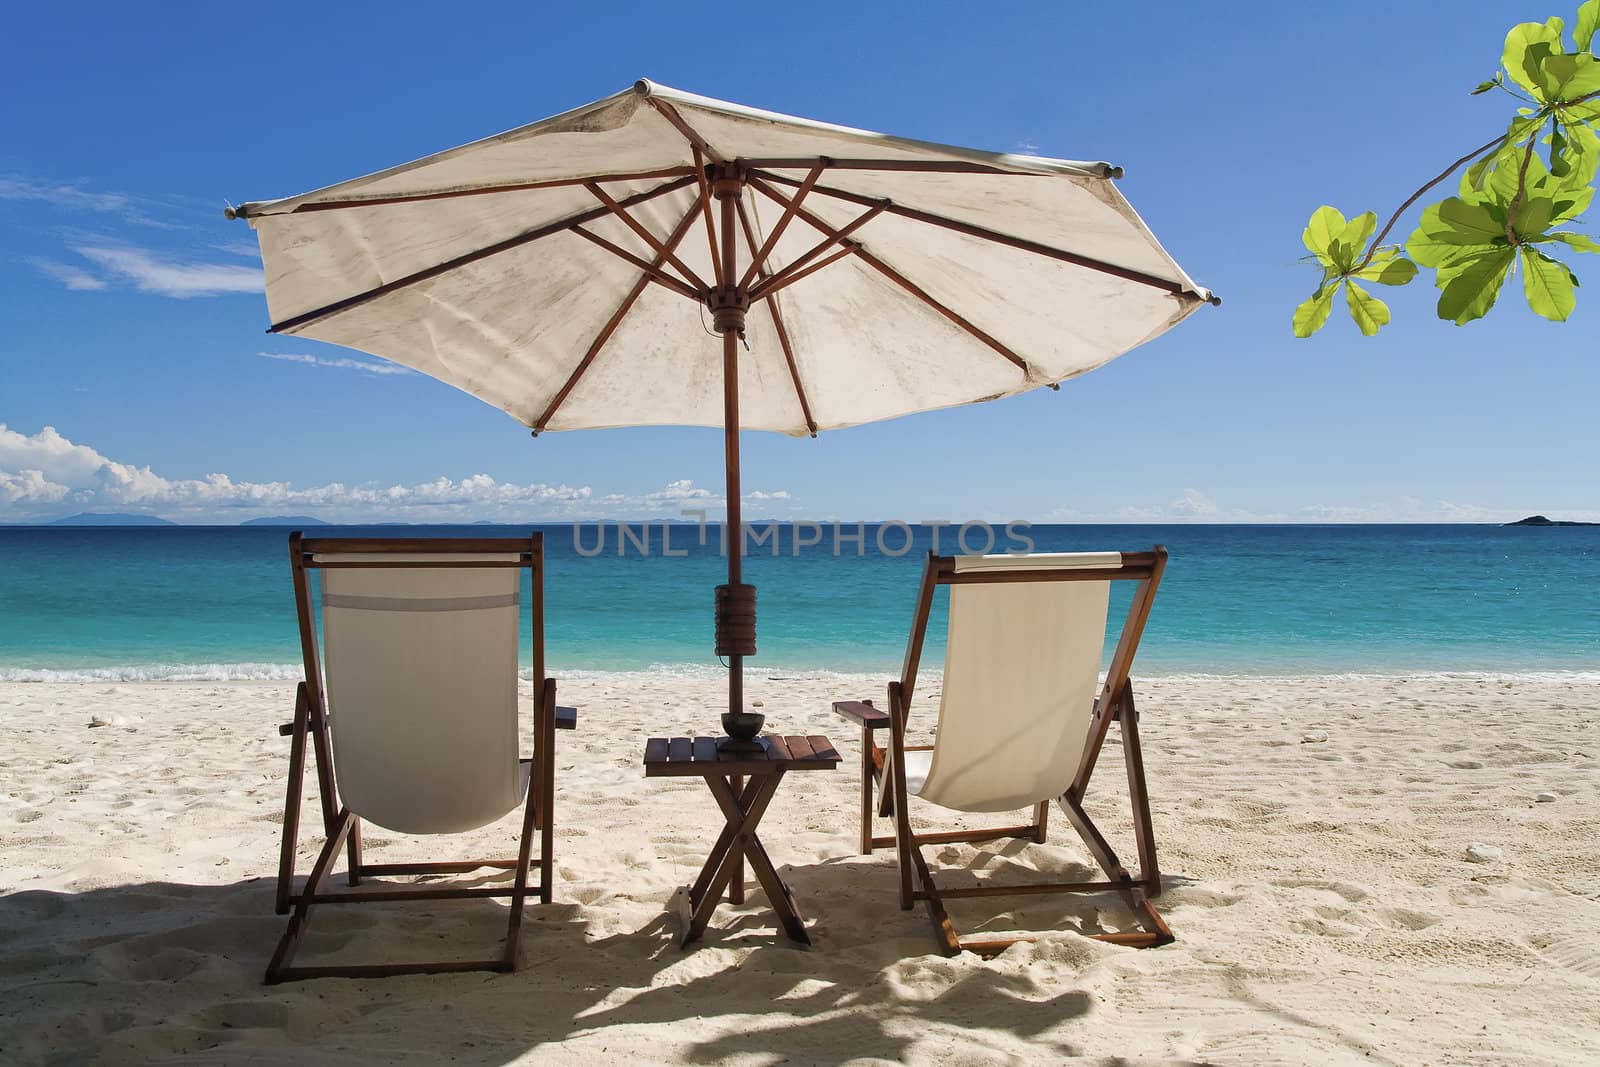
(1019, 724)
(409, 706)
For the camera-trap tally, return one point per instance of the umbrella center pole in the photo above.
(735, 602)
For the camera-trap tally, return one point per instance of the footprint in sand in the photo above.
(1577, 954)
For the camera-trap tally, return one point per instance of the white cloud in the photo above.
(60, 194)
(682, 493)
(153, 273)
(339, 363)
(43, 475)
(779, 494)
(1194, 504)
(68, 275)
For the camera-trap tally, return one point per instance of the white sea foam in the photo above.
(288, 672)
(159, 672)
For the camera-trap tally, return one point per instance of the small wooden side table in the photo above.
(742, 806)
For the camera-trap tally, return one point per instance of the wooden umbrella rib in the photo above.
(655, 273)
(758, 258)
(915, 290)
(670, 113)
(915, 166)
(777, 325)
(509, 243)
(616, 320)
(900, 280)
(484, 190)
(768, 291)
(620, 211)
(834, 236)
(1019, 243)
(705, 207)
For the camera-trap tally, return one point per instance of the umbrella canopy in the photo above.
(569, 271)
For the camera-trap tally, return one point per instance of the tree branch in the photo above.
(1522, 184)
(1377, 241)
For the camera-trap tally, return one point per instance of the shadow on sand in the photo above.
(160, 970)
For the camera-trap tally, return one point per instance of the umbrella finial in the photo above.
(644, 86)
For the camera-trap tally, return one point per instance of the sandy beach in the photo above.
(1315, 833)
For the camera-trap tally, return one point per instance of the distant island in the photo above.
(1540, 520)
(285, 520)
(111, 518)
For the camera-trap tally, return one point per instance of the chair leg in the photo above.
(905, 845)
(885, 789)
(519, 894)
(354, 845)
(1041, 820)
(1143, 829)
(291, 803)
(868, 773)
(547, 792)
(278, 968)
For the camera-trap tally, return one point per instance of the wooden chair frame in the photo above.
(885, 768)
(343, 827)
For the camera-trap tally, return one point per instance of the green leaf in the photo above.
(1578, 242)
(1310, 316)
(1567, 77)
(1356, 234)
(1533, 217)
(1370, 313)
(1560, 159)
(1471, 287)
(1437, 244)
(1571, 205)
(1392, 272)
(1477, 174)
(1581, 155)
(1484, 87)
(1548, 285)
(1342, 255)
(1473, 222)
(1588, 21)
(1527, 46)
(1326, 224)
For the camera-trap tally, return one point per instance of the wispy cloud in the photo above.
(72, 277)
(61, 194)
(153, 273)
(338, 363)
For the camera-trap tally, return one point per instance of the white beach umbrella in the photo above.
(568, 272)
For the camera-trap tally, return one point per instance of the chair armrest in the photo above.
(862, 712)
(566, 718)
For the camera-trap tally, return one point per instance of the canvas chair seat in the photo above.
(421, 675)
(917, 766)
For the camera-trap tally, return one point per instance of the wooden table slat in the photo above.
(687, 756)
(823, 748)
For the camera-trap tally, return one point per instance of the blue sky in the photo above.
(131, 316)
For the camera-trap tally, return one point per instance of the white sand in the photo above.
(1321, 893)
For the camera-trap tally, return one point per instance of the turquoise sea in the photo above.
(216, 602)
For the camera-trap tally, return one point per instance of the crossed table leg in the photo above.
(743, 811)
